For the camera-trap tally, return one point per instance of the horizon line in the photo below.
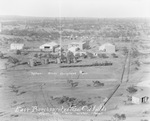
(73, 17)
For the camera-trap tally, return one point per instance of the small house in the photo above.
(108, 48)
(16, 46)
(51, 46)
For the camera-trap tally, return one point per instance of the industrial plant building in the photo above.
(108, 48)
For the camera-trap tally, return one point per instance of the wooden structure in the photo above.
(137, 99)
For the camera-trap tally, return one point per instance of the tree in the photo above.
(70, 56)
(18, 52)
(135, 53)
(125, 50)
(90, 55)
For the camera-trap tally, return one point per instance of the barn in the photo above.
(16, 46)
(108, 48)
(51, 46)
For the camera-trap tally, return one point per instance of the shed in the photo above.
(108, 48)
(49, 46)
(16, 46)
(139, 99)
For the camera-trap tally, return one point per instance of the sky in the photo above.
(76, 8)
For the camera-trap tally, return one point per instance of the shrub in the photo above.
(70, 57)
(131, 89)
(1, 54)
(144, 119)
(77, 55)
(18, 52)
(13, 60)
(125, 50)
(123, 116)
(100, 55)
(90, 55)
(36, 55)
(84, 55)
(137, 63)
(135, 53)
(118, 117)
(114, 55)
(97, 83)
(104, 56)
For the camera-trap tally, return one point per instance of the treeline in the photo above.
(45, 34)
(31, 33)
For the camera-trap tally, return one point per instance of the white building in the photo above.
(73, 49)
(49, 46)
(76, 50)
(81, 45)
(137, 99)
(108, 48)
(16, 46)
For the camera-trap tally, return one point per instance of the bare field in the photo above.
(39, 87)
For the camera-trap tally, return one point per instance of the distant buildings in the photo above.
(108, 48)
(51, 46)
(16, 46)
